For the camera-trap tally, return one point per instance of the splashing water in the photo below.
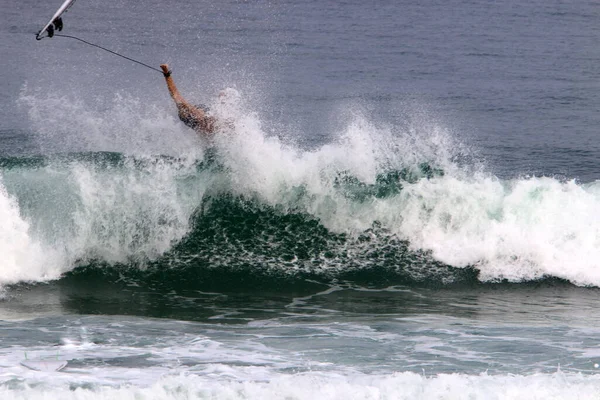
(407, 184)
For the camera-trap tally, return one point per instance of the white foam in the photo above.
(519, 230)
(325, 386)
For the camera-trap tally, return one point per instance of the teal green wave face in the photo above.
(152, 213)
(418, 224)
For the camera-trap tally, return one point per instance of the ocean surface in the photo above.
(404, 203)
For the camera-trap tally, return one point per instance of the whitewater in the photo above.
(309, 386)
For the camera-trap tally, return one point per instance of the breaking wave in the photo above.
(375, 199)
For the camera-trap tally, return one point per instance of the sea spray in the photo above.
(64, 123)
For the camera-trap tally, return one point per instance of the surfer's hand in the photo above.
(166, 71)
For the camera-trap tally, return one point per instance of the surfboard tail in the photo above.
(56, 23)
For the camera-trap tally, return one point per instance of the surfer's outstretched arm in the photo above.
(171, 85)
(192, 116)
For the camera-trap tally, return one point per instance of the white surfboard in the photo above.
(51, 24)
(44, 365)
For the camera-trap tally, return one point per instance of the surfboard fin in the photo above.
(50, 30)
(58, 24)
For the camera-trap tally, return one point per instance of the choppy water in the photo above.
(405, 206)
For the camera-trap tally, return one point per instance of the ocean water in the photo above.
(405, 204)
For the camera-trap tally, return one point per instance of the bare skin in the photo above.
(194, 117)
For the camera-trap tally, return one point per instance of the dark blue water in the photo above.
(406, 204)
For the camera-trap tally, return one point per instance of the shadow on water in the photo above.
(234, 297)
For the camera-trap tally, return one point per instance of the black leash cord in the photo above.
(110, 51)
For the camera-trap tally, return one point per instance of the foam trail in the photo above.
(402, 385)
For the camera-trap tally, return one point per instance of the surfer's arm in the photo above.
(173, 91)
(188, 113)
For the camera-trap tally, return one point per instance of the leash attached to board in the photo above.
(56, 24)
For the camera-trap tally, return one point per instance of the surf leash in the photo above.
(110, 51)
(56, 25)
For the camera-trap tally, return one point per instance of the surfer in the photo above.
(193, 116)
